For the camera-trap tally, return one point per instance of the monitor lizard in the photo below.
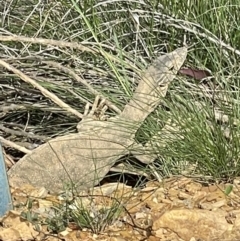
(84, 158)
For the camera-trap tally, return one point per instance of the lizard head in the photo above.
(154, 83)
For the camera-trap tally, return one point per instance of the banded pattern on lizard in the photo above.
(84, 158)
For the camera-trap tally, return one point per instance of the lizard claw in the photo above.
(98, 109)
(97, 113)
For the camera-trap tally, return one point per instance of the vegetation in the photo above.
(120, 39)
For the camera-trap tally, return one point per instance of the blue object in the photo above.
(5, 195)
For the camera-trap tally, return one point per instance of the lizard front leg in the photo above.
(90, 117)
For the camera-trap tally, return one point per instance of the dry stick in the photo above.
(84, 82)
(45, 92)
(11, 107)
(61, 43)
(14, 145)
(5, 109)
(8, 159)
(22, 133)
(43, 41)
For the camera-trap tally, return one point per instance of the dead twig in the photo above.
(14, 145)
(45, 92)
(23, 133)
(61, 43)
(43, 41)
(14, 107)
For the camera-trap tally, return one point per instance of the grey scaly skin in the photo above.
(86, 157)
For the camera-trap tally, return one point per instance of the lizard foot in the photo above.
(96, 113)
(98, 109)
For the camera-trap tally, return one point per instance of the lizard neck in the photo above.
(153, 85)
(136, 111)
(145, 99)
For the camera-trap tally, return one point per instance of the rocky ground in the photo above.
(179, 209)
